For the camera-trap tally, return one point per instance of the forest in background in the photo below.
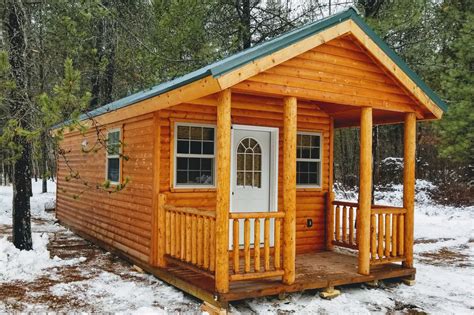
(59, 58)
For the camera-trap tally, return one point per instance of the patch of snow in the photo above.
(18, 264)
(117, 294)
(37, 202)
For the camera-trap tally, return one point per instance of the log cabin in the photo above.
(230, 168)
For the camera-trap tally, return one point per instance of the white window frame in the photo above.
(113, 156)
(320, 160)
(189, 155)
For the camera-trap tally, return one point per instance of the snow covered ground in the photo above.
(64, 273)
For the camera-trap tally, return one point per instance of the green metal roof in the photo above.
(258, 51)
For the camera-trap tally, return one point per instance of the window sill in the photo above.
(192, 189)
(309, 188)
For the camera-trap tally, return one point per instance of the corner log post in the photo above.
(289, 188)
(223, 190)
(158, 238)
(365, 190)
(409, 184)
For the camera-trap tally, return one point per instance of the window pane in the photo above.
(196, 147)
(257, 162)
(248, 179)
(304, 167)
(206, 164)
(208, 148)
(240, 161)
(248, 162)
(240, 178)
(194, 177)
(306, 140)
(304, 178)
(113, 169)
(182, 163)
(181, 177)
(113, 143)
(206, 178)
(315, 141)
(257, 180)
(196, 133)
(183, 146)
(315, 153)
(113, 137)
(208, 133)
(183, 132)
(194, 164)
(305, 152)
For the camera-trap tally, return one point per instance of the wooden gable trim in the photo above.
(257, 66)
(394, 69)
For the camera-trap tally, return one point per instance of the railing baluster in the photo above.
(194, 240)
(373, 228)
(338, 224)
(188, 237)
(401, 234)
(236, 227)
(394, 235)
(212, 247)
(199, 241)
(351, 225)
(247, 244)
(183, 236)
(256, 245)
(387, 235)
(168, 233)
(205, 262)
(380, 236)
(267, 244)
(178, 234)
(277, 243)
(344, 224)
(173, 234)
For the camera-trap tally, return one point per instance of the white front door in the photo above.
(253, 175)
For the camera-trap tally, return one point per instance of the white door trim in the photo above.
(273, 167)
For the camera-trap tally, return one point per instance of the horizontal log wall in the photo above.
(123, 219)
(257, 111)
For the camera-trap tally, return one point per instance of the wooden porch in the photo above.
(314, 270)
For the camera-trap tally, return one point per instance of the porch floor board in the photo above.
(313, 271)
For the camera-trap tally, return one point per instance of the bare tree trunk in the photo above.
(102, 83)
(19, 108)
(44, 159)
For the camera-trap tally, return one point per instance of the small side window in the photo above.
(113, 155)
(308, 159)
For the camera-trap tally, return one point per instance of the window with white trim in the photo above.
(113, 155)
(308, 159)
(194, 155)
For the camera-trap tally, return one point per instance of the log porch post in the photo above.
(365, 189)
(289, 188)
(409, 184)
(330, 194)
(223, 190)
